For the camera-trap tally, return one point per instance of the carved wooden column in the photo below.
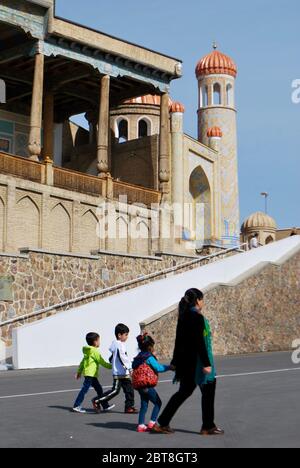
(164, 147)
(103, 128)
(34, 144)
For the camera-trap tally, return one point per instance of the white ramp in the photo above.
(57, 341)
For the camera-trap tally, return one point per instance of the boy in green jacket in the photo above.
(89, 368)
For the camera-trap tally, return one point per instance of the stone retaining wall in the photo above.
(41, 280)
(260, 314)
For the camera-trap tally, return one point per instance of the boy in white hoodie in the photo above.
(122, 368)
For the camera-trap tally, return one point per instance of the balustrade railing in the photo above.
(21, 167)
(71, 180)
(136, 194)
(76, 181)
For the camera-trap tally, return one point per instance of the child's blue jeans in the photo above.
(87, 384)
(149, 395)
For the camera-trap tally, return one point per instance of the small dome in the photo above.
(259, 220)
(216, 63)
(177, 107)
(148, 99)
(214, 132)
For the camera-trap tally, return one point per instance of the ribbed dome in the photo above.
(216, 63)
(148, 99)
(177, 107)
(259, 220)
(214, 132)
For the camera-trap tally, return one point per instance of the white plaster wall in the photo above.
(57, 341)
(5, 353)
(2, 351)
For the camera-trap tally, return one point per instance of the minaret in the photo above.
(216, 74)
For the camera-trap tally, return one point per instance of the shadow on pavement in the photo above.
(115, 425)
(183, 431)
(88, 411)
(69, 409)
(132, 427)
(177, 431)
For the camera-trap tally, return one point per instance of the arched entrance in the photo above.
(202, 212)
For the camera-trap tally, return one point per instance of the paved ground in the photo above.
(257, 408)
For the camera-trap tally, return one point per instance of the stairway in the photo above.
(43, 343)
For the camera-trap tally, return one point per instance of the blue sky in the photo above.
(262, 36)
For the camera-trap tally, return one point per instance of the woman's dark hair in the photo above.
(91, 338)
(190, 299)
(145, 342)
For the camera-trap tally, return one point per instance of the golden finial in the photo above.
(215, 45)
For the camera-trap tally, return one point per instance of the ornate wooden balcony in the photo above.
(21, 167)
(76, 181)
(136, 194)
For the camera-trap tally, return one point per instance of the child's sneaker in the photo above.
(151, 425)
(79, 410)
(142, 428)
(109, 408)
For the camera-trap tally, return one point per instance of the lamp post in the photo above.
(266, 196)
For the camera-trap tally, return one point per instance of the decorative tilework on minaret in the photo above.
(216, 74)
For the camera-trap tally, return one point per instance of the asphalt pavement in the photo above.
(258, 405)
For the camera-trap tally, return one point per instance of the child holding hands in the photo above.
(145, 378)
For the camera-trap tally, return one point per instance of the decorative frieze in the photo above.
(23, 14)
(106, 64)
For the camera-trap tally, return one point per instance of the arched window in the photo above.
(229, 94)
(123, 131)
(204, 96)
(143, 128)
(217, 94)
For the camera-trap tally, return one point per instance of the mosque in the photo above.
(54, 174)
(88, 211)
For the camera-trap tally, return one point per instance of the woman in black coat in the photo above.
(194, 363)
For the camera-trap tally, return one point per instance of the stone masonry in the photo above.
(41, 280)
(260, 314)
